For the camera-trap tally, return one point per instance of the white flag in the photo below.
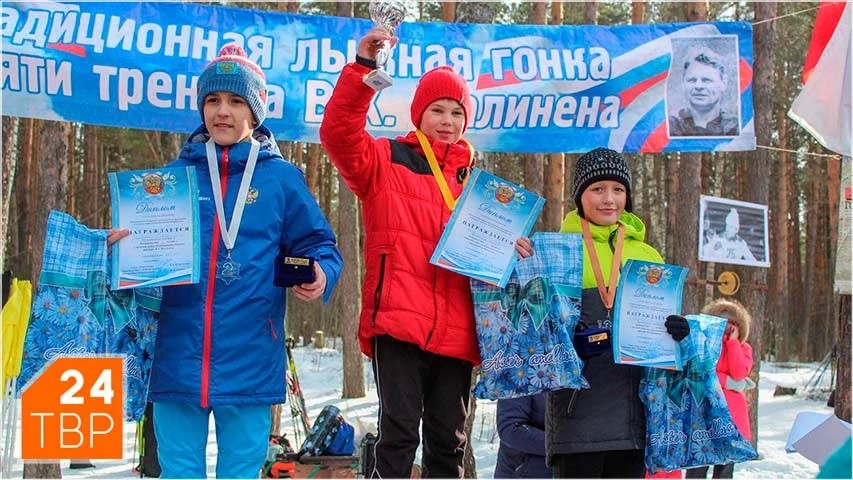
(823, 106)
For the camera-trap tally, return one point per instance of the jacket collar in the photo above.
(634, 227)
(238, 154)
(449, 155)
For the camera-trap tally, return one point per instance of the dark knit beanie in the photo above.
(233, 72)
(438, 83)
(601, 164)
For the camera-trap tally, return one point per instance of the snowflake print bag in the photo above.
(74, 312)
(525, 329)
(688, 423)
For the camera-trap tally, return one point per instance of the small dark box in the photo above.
(292, 270)
(590, 342)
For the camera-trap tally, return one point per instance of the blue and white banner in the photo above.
(644, 88)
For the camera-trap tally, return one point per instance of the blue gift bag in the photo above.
(525, 330)
(74, 312)
(688, 423)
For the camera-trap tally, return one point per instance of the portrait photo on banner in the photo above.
(731, 231)
(702, 94)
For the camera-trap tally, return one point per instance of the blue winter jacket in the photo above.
(218, 342)
(521, 428)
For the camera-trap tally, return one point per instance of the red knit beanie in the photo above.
(438, 83)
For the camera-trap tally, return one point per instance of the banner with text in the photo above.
(642, 88)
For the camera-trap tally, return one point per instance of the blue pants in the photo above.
(242, 438)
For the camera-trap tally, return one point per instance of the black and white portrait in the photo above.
(731, 231)
(702, 87)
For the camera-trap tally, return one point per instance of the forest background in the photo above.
(797, 316)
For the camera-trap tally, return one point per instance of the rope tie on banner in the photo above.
(786, 15)
(827, 155)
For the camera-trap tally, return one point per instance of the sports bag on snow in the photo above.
(330, 435)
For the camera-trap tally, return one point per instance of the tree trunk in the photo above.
(291, 7)
(833, 191)
(591, 12)
(638, 12)
(534, 163)
(816, 263)
(780, 222)
(448, 11)
(552, 214)
(796, 306)
(555, 169)
(758, 186)
(91, 155)
(683, 250)
(344, 8)
(54, 149)
(312, 169)
(275, 417)
(685, 241)
(349, 291)
(556, 12)
(672, 169)
(72, 167)
(25, 173)
(842, 382)
(9, 164)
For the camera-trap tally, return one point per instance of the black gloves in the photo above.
(677, 326)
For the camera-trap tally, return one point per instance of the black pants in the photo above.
(720, 471)
(613, 464)
(149, 462)
(415, 386)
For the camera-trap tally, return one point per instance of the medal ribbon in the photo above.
(436, 171)
(229, 233)
(606, 292)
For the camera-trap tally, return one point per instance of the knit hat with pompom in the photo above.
(233, 72)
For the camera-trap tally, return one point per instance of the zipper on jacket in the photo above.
(211, 282)
(434, 306)
(377, 295)
(570, 410)
(272, 329)
(610, 240)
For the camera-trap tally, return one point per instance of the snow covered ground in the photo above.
(320, 373)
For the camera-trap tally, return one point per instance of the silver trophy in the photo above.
(388, 15)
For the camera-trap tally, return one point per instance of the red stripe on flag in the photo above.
(657, 141)
(825, 22)
(745, 74)
(630, 94)
(71, 48)
(488, 81)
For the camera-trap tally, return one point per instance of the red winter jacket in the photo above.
(403, 295)
(736, 361)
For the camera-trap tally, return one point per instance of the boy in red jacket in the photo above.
(417, 321)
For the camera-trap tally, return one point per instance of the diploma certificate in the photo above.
(479, 240)
(646, 295)
(160, 208)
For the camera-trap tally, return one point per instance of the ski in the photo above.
(296, 399)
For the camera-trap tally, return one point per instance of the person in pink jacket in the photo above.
(733, 368)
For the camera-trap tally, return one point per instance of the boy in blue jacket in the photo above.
(220, 343)
(521, 428)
